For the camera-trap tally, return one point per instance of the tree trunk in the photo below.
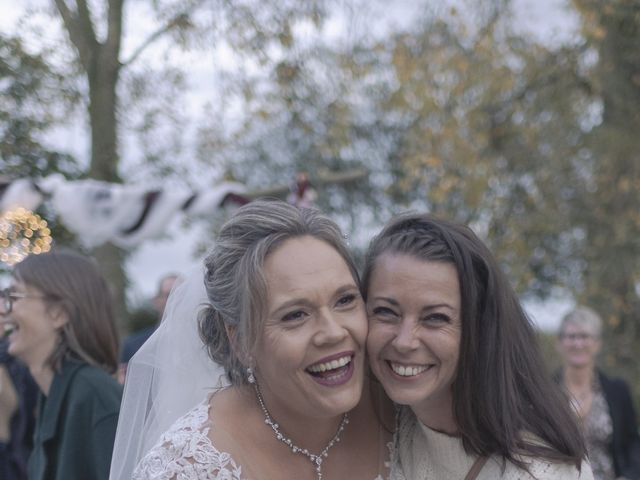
(111, 260)
(103, 79)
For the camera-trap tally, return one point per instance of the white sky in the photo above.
(548, 19)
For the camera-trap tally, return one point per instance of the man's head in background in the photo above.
(165, 285)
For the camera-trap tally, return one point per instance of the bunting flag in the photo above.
(99, 212)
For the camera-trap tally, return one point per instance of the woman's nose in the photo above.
(405, 339)
(330, 329)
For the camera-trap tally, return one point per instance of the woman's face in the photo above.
(34, 325)
(414, 330)
(309, 360)
(578, 345)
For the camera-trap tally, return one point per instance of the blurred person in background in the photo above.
(59, 318)
(18, 394)
(133, 342)
(602, 403)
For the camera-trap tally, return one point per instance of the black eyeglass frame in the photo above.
(9, 297)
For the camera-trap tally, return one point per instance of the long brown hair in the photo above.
(501, 389)
(73, 282)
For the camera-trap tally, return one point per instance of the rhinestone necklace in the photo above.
(316, 460)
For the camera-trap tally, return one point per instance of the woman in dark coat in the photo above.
(602, 403)
(59, 319)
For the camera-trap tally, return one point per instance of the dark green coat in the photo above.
(76, 425)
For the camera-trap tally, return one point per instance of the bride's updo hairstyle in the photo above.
(234, 276)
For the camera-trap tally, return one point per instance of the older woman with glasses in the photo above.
(602, 403)
(58, 319)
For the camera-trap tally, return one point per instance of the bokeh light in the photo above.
(22, 232)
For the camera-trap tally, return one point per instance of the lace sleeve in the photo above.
(185, 451)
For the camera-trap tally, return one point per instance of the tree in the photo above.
(29, 106)
(95, 32)
(34, 96)
(608, 212)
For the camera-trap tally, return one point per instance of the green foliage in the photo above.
(34, 97)
(547, 343)
(31, 93)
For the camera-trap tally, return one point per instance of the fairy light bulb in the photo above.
(22, 232)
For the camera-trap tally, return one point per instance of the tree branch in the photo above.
(80, 30)
(152, 38)
(177, 21)
(114, 29)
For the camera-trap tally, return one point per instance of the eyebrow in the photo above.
(426, 308)
(302, 301)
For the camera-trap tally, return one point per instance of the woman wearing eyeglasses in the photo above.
(603, 404)
(58, 318)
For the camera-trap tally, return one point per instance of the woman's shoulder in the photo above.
(612, 384)
(544, 469)
(186, 451)
(94, 385)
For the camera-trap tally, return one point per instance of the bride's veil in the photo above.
(168, 376)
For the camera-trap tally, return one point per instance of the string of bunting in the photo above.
(99, 212)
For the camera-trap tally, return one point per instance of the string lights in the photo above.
(22, 232)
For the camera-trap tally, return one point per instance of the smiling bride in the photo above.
(284, 318)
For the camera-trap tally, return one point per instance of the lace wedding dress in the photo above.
(186, 452)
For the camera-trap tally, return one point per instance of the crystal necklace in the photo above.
(316, 460)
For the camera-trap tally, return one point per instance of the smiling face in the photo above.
(578, 345)
(414, 331)
(309, 359)
(34, 324)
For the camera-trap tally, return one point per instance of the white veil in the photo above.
(167, 377)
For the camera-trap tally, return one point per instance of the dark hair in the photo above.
(501, 389)
(234, 277)
(74, 283)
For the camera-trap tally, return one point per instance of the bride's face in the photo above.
(310, 357)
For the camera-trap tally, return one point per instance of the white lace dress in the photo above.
(186, 452)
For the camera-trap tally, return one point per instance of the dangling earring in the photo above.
(250, 378)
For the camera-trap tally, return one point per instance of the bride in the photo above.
(279, 367)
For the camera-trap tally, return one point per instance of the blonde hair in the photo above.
(584, 317)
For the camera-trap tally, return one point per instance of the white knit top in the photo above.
(425, 454)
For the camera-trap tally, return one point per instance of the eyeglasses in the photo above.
(9, 297)
(576, 336)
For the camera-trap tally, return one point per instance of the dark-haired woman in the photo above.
(58, 316)
(450, 343)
